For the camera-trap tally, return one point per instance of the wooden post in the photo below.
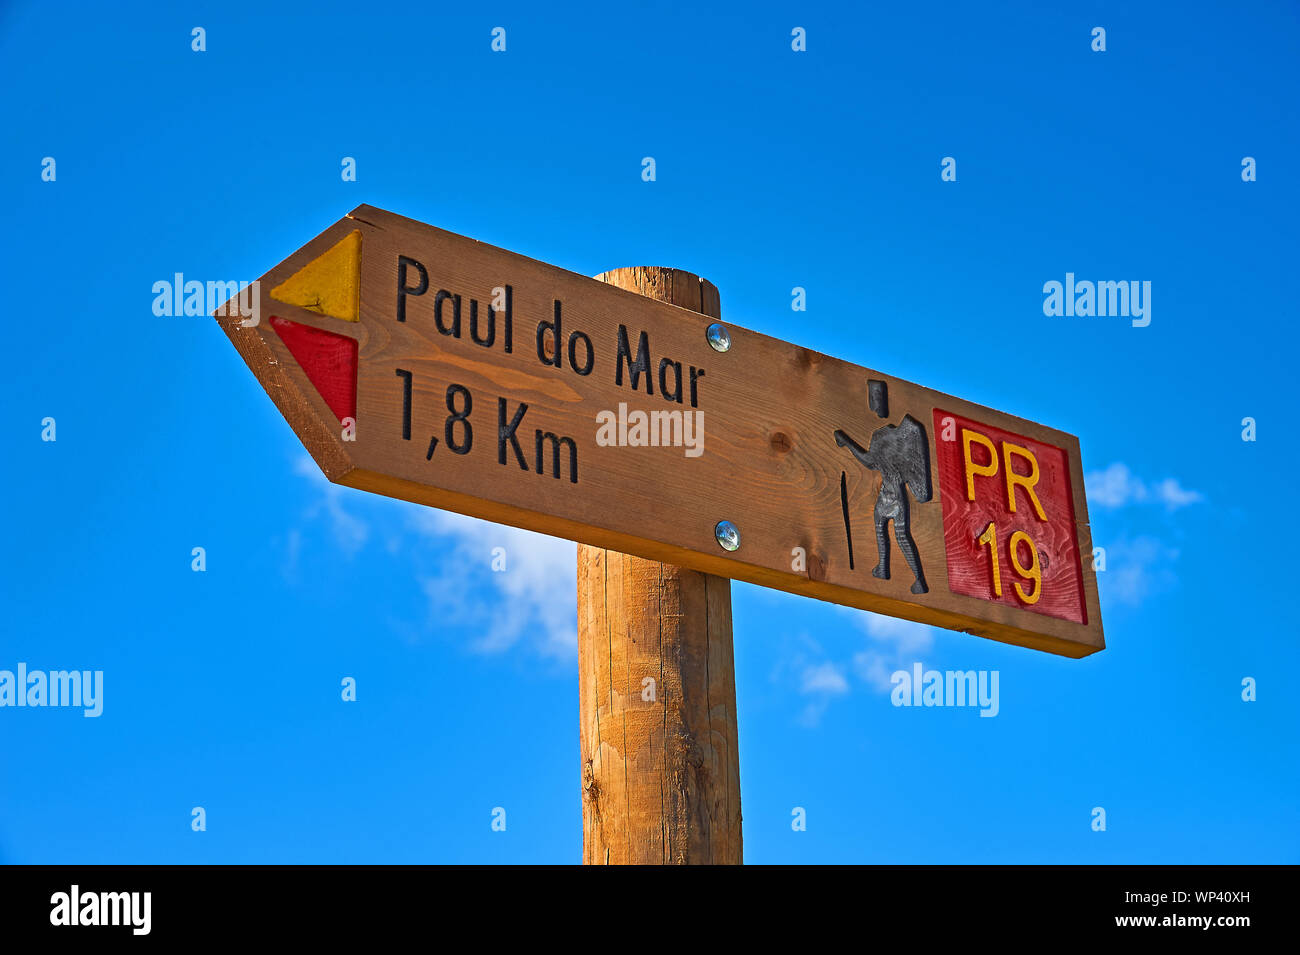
(657, 685)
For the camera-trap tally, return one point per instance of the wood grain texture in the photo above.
(660, 763)
(770, 461)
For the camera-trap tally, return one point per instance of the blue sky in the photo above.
(775, 169)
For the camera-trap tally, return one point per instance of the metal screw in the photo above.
(728, 536)
(719, 340)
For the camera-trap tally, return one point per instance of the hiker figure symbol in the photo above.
(901, 453)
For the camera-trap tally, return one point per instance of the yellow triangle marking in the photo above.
(329, 284)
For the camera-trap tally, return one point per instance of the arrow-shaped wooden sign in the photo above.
(423, 365)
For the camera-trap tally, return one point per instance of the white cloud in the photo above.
(891, 644)
(824, 678)
(1116, 486)
(895, 644)
(907, 635)
(811, 715)
(1142, 566)
(534, 600)
(350, 532)
(1137, 569)
(821, 681)
(1175, 495)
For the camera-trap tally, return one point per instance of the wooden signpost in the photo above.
(423, 365)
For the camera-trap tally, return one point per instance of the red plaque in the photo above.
(1008, 518)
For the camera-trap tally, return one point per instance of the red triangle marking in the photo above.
(329, 360)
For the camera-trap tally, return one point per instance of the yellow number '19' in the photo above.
(1033, 572)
